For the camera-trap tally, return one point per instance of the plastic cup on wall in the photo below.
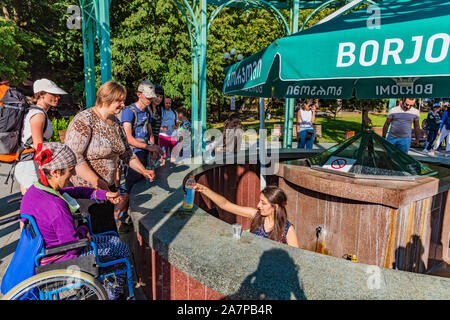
(188, 202)
(237, 230)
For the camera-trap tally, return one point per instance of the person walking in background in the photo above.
(306, 116)
(167, 134)
(37, 128)
(232, 134)
(400, 119)
(230, 140)
(433, 124)
(98, 140)
(443, 132)
(444, 107)
(156, 112)
(182, 149)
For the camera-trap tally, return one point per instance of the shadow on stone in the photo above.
(441, 269)
(162, 175)
(9, 229)
(277, 277)
(7, 208)
(142, 198)
(8, 249)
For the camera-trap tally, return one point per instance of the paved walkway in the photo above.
(9, 233)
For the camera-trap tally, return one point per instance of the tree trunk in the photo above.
(6, 13)
(365, 118)
(220, 103)
(338, 107)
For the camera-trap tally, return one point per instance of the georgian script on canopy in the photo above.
(241, 75)
(314, 91)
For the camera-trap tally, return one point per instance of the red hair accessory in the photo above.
(42, 157)
(284, 204)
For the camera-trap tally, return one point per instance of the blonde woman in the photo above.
(98, 140)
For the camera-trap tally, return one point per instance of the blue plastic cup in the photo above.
(188, 202)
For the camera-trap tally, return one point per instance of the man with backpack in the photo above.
(136, 124)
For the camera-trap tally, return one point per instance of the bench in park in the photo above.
(278, 130)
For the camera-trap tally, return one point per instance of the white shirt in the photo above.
(26, 133)
(305, 121)
(168, 120)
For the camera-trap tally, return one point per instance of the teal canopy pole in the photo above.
(194, 100)
(289, 105)
(105, 41)
(88, 33)
(203, 80)
(191, 19)
(290, 122)
(261, 144)
(392, 103)
(286, 121)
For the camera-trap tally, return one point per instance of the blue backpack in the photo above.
(22, 265)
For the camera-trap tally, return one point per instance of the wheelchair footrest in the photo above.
(86, 264)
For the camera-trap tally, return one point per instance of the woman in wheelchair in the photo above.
(48, 203)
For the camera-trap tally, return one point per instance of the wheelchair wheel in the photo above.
(58, 285)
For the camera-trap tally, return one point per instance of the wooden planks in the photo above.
(376, 234)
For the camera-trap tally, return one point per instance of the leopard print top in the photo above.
(99, 144)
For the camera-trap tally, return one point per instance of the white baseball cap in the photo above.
(147, 88)
(47, 86)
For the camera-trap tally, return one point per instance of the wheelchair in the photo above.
(76, 279)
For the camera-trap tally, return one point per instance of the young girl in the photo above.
(182, 149)
(167, 134)
(269, 219)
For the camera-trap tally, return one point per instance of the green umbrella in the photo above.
(402, 52)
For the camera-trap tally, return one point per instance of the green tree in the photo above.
(59, 55)
(16, 46)
(151, 41)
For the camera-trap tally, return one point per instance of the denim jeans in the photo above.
(302, 142)
(401, 143)
(431, 136)
(131, 176)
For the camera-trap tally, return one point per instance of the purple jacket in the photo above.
(53, 217)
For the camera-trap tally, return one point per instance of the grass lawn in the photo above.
(333, 130)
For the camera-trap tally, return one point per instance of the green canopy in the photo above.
(403, 53)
